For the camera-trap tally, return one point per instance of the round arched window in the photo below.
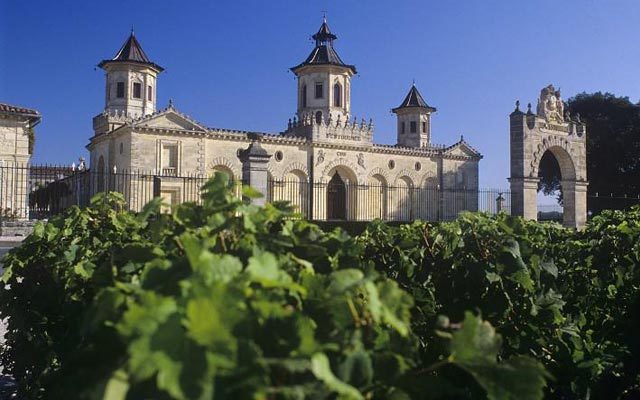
(392, 164)
(418, 166)
(279, 156)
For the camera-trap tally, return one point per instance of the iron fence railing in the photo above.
(39, 191)
(354, 202)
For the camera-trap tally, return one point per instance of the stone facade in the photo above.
(548, 130)
(320, 141)
(16, 127)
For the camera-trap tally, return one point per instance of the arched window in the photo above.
(304, 96)
(337, 95)
(319, 117)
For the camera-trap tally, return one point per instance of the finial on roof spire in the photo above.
(324, 16)
(132, 32)
(170, 103)
(414, 82)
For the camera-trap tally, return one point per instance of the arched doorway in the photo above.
(556, 174)
(550, 199)
(377, 197)
(336, 198)
(403, 199)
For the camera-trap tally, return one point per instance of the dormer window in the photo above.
(120, 90)
(402, 127)
(137, 90)
(319, 91)
(413, 127)
(424, 127)
(149, 93)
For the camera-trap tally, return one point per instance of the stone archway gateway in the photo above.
(548, 131)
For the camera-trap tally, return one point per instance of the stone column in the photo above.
(524, 197)
(254, 168)
(499, 203)
(574, 195)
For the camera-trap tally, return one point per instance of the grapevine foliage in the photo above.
(227, 300)
(569, 299)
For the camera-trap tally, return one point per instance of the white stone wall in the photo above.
(309, 76)
(130, 74)
(14, 159)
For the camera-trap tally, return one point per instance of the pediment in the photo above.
(462, 149)
(170, 120)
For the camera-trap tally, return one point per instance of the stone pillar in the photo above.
(254, 168)
(499, 203)
(524, 197)
(575, 203)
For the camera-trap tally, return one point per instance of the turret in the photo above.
(130, 83)
(414, 120)
(324, 81)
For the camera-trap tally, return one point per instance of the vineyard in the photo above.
(226, 300)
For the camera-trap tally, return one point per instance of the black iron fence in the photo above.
(40, 191)
(356, 202)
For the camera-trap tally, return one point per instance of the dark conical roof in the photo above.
(414, 99)
(324, 33)
(324, 53)
(131, 51)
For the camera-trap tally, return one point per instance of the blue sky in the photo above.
(227, 61)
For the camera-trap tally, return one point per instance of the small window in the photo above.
(418, 166)
(424, 127)
(137, 90)
(402, 127)
(121, 147)
(149, 93)
(392, 164)
(304, 96)
(319, 90)
(319, 117)
(120, 90)
(413, 127)
(279, 156)
(337, 95)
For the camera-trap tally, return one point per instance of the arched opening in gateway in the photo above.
(336, 198)
(550, 196)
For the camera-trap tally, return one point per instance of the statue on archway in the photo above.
(550, 104)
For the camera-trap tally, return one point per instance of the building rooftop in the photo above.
(131, 51)
(324, 53)
(414, 99)
(22, 111)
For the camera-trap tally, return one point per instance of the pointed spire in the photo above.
(324, 53)
(131, 51)
(414, 99)
(324, 34)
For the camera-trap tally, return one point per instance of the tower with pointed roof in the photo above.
(414, 120)
(131, 79)
(324, 80)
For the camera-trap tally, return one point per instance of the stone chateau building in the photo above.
(325, 161)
